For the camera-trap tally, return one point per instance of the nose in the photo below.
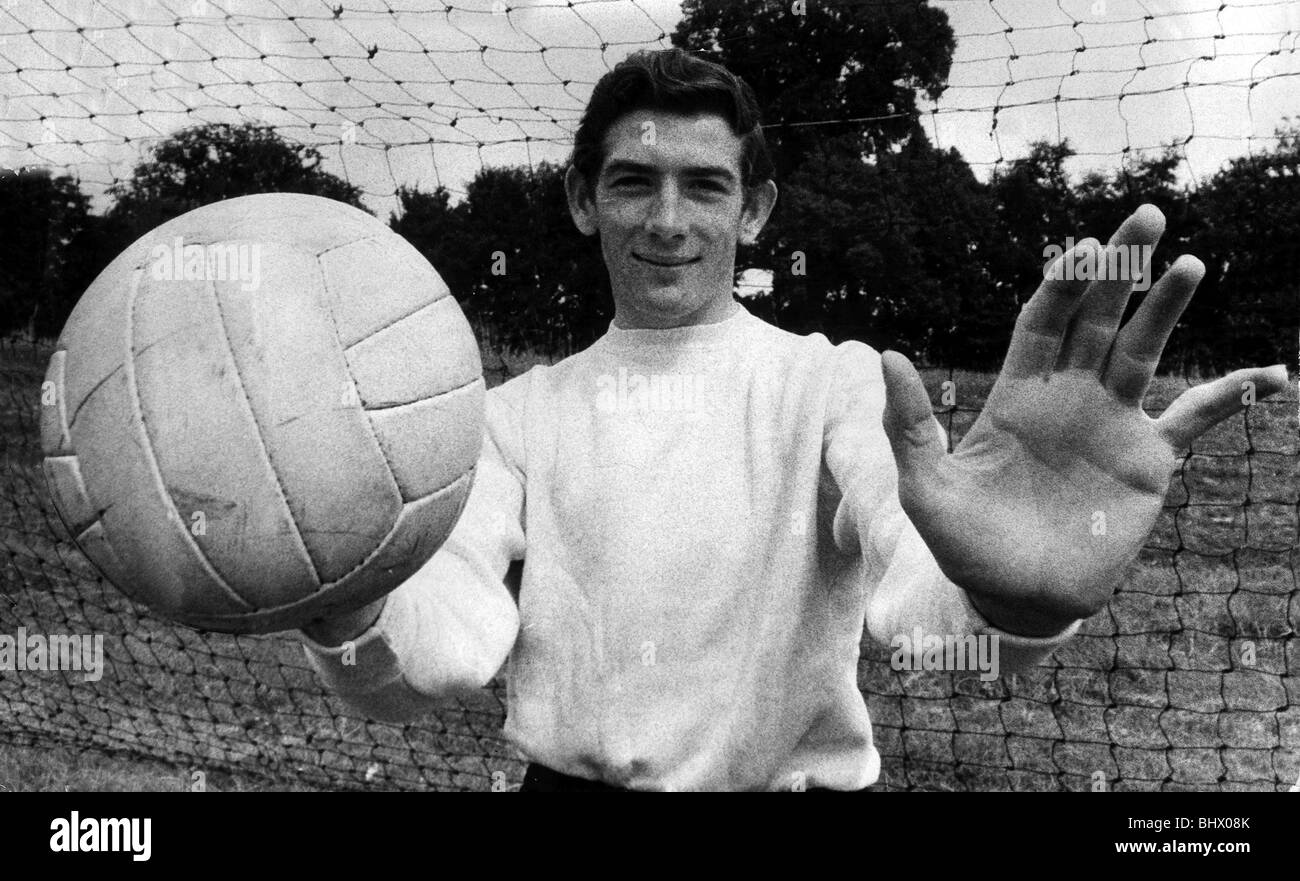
(665, 218)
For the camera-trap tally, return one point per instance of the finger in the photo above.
(1136, 353)
(1199, 409)
(909, 423)
(1123, 261)
(1041, 324)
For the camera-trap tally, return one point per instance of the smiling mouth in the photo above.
(669, 264)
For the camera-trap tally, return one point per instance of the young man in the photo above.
(708, 509)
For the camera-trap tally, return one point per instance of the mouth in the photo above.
(666, 262)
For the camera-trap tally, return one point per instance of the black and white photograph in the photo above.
(651, 395)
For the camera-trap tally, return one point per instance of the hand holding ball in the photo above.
(264, 412)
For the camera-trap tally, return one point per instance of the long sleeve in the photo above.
(448, 628)
(905, 589)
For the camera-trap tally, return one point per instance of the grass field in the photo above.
(53, 768)
(1152, 695)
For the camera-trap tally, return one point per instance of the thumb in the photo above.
(909, 422)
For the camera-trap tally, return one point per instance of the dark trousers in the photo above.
(539, 778)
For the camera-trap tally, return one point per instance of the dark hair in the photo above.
(675, 81)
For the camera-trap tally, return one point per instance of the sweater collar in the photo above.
(689, 335)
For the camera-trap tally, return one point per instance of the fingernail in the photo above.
(1191, 263)
(1151, 212)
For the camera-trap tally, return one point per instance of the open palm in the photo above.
(1053, 491)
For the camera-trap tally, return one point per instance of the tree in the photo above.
(439, 231)
(1039, 206)
(892, 252)
(969, 318)
(831, 65)
(1247, 309)
(46, 225)
(1242, 223)
(207, 163)
(1036, 207)
(512, 256)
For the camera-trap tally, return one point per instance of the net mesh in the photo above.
(1182, 682)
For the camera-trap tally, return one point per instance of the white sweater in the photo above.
(706, 516)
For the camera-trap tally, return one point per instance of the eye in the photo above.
(713, 185)
(631, 181)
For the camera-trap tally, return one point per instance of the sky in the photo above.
(421, 93)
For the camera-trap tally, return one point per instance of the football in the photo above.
(264, 411)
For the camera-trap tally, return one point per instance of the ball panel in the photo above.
(167, 570)
(427, 354)
(63, 477)
(206, 445)
(320, 444)
(420, 530)
(431, 443)
(371, 284)
(54, 414)
(95, 336)
(310, 223)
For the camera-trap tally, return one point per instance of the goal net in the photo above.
(1187, 680)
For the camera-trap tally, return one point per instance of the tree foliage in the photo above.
(847, 74)
(208, 163)
(512, 256)
(1247, 231)
(53, 245)
(826, 63)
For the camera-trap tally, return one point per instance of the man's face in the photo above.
(670, 210)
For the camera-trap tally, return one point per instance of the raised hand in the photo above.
(1053, 491)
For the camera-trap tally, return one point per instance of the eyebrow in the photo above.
(627, 166)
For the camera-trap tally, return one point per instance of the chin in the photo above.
(667, 301)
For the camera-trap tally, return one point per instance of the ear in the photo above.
(581, 205)
(759, 202)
